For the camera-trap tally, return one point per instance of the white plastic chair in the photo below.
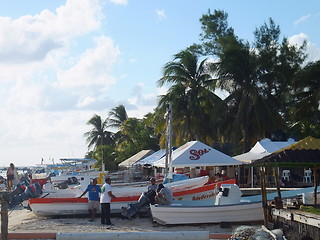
(286, 175)
(307, 176)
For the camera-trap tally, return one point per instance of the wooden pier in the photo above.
(300, 224)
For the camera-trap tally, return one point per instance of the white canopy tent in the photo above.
(263, 148)
(197, 154)
(152, 158)
(138, 156)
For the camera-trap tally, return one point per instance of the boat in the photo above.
(79, 170)
(180, 214)
(228, 206)
(67, 202)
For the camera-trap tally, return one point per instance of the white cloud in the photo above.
(161, 14)
(141, 103)
(119, 2)
(51, 82)
(312, 50)
(302, 19)
(86, 101)
(93, 66)
(31, 38)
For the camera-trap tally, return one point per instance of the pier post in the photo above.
(264, 195)
(277, 180)
(315, 179)
(4, 216)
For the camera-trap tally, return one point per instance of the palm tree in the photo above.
(191, 93)
(136, 136)
(257, 78)
(305, 112)
(98, 135)
(117, 117)
(247, 116)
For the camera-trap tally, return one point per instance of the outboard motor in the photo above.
(228, 194)
(20, 188)
(132, 209)
(65, 184)
(72, 180)
(32, 191)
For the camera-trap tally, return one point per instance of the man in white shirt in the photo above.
(105, 199)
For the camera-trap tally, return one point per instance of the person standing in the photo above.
(93, 198)
(105, 199)
(11, 171)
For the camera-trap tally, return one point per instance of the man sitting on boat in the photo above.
(164, 195)
(151, 191)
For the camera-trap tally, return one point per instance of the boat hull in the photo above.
(174, 214)
(52, 205)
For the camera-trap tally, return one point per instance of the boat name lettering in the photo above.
(196, 154)
(203, 196)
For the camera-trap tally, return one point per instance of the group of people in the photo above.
(103, 196)
(163, 195)
(94, 199)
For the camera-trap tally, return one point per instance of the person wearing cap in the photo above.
(153, 186)
(164, 195)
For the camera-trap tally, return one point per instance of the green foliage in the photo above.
(191, 92)
(136, 136)
(98, 135)
(258, 77)
(310, 209)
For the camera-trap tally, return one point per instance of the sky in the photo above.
(63, 61)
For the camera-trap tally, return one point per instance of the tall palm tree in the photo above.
(247, 116)
(253, 76)
(117, 117)
(98, 135)
(191, 92)
(305, 112)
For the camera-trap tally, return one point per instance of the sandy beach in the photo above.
(23, 220)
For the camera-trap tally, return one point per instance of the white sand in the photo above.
(23, 220)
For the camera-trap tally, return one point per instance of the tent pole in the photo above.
(277, 180)
(251, 177)
(315, 179)
(264, 196)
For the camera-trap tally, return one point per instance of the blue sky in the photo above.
(63, 61)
